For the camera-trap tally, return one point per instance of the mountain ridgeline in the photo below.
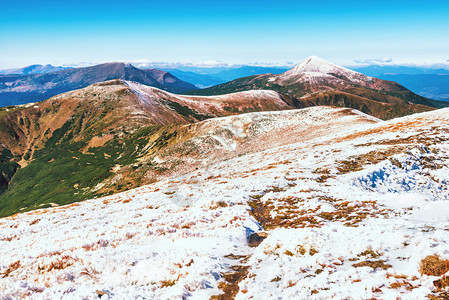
(317, 82)
(19, 89)
(119, 134)
(33, 69)
(104, 139)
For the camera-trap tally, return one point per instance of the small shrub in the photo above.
(433, 265)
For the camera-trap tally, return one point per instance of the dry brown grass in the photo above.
(167, 283)
(59, 263)
(369, 253)
(442, 283)
(433, 265)
(256, 238)
(50, 254)
(313, 251)
(402, 284)
(34, 222)
(88, 247)
(218, 204)
(230, 287)
(301, 250)
(394, 146)
(289, 213)
(9, 238)
(11, 268)
(90, 272)
(324, 173)
(372, 264)
(356, 163)
(241, 258)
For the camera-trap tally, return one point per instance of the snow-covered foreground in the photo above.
(348, 214)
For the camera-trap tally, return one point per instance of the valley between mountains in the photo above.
(316, 183)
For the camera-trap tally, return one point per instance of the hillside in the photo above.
(19, 89)
(427, 81)
(103, 139)
(317, 82)
(353, 208)
(435, 86)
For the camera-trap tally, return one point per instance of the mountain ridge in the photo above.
(314, 78)
(33, 69)
(69, 144)
(19, 89)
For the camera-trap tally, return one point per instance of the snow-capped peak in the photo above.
(316, 64)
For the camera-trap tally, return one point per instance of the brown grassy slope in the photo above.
(382, 110)
(380, 98)
(113, 107)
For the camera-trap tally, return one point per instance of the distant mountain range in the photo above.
(207, 77)
(434, 86)
(425, 81)
(431, 82)
(380, 70)
(317, 82)
(20, 89)
(428, 82)
(199, 80)
(33, 69)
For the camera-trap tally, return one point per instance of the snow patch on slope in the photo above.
(140, 244)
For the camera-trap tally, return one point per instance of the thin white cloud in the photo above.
(374, 61)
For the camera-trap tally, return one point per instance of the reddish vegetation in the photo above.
(373, 264)
(289, 214)
(11, 268)
(59, 263)
(34, 222)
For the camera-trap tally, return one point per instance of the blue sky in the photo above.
(64, 32)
